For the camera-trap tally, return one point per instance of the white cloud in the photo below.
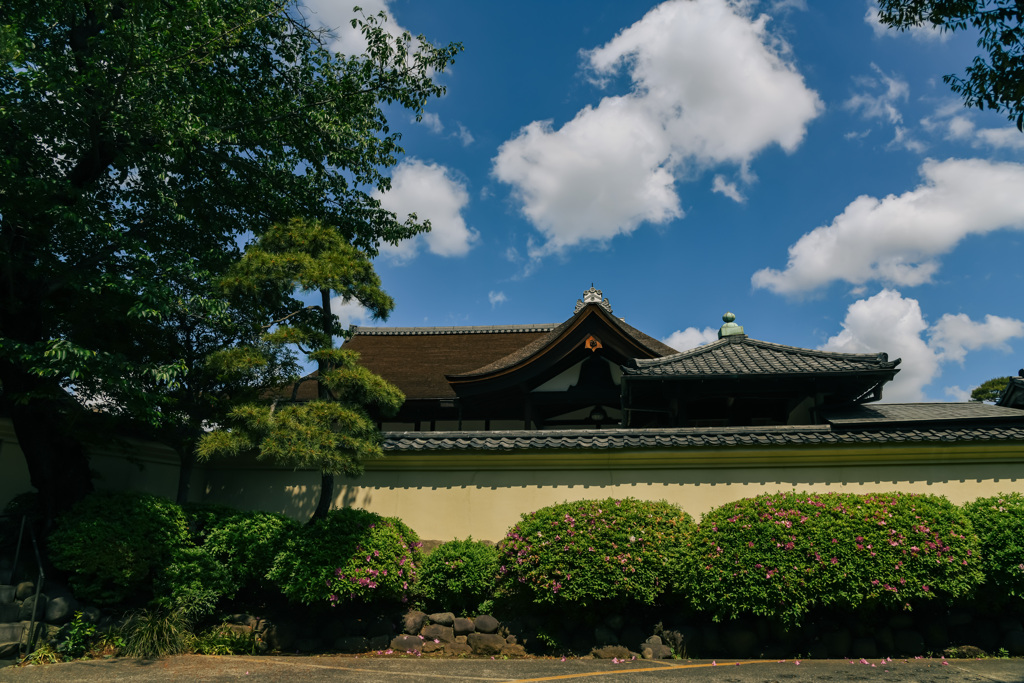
(431, 121)
(883, 105)
(723, 186)
(496, 298)
(432, 193)
(923, 33)
(464, 136)
(690, 338)
(954, 335)
(891, 323)
(350, 312)
(957, 125)
(897, 239)
(337, 17)
(710, 86)
(957, 394)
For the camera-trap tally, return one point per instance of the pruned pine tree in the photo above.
(333, 433)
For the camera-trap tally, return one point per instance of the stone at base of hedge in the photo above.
(407, 643)
(463, 626)
(485, 643)
(438, 632)
(430, 646)
(442, 618)
(379, 642)
(485, 623)
(413, 621)
(458, 649)
(513, 650)
(9, 650)
(655, 649)
(7, 594)
(611, 652)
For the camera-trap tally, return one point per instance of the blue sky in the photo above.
(791, 162)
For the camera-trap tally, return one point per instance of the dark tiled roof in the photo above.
(519, 355)
(740, 355)
(889, 413)
(416, 359)
(618, 439)
(875, 424)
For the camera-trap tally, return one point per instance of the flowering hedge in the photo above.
(592, 550)
(352, 555)
(783, 554)
(999, 523)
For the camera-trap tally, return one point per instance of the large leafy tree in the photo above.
(225, 361)
(332, 430)
(995, 79)
(140, 141)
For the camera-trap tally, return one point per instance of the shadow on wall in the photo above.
(292, 493)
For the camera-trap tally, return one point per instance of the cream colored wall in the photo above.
(442, 505)
(445, 504)
(455, 495)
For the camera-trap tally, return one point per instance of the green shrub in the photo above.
(352, 555)
(113, 544)
(590, 551)
(459, 575)
(999, 523)
(783, 554)
(237, 550)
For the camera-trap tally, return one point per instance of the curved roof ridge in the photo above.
(533, 348)
(880, 357)
(739, 354)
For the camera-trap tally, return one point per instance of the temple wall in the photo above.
(455, 495)
(441, 502)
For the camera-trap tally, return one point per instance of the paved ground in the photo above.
(380, 669)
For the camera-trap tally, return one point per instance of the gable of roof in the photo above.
(590, 319)
(416, 359)
(741, 355)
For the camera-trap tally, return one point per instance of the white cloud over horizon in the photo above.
(691, 338)
(897, 239)
(433, 193)
(711, 86)
(889, 322)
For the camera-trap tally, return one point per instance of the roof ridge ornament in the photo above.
(730, 328)
(593, 296)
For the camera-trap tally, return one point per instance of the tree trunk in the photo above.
(323, 506)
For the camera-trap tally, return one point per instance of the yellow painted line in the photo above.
(379, 672)
(647, 669)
